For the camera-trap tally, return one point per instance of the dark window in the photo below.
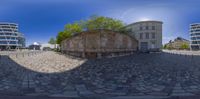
(147, 27)
(141, 35)
(147, 35)
(153, 35)
(140, 28)
(153, 27)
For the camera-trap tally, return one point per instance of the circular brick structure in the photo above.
(99, 43)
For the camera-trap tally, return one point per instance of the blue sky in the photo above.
(41, 19)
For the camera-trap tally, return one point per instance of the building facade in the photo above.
(34, 46)
(10, 37)
(148, 34)
(179, 43)
(195, 36)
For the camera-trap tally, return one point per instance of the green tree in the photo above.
(185, 46)
(165, 46)
(52, 41)
(62, 36)
(93, 23)
(73, 28)
(100, 22)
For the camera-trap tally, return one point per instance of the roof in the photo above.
(180, 38)
(36, 43)
(8, 23)
(194, 24)
(144, 22)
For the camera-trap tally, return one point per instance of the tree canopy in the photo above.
(185, 46)
(62, 36)
(52, 41)
(93, 23)
(101, 22)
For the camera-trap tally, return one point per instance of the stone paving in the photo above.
(156, 75)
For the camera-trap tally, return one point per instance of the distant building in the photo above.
(195, 36)
(178, 43)
(148, 34)
(35, 46)
(10, 37)
(48, 46)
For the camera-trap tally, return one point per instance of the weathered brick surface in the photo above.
(99, 41)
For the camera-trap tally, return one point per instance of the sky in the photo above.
(39, 20)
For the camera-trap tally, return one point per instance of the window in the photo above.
(153, 35)
(153, 44)
(147, 27)
(147, 35)
(140, 28)
(153, 27)
(141, 35)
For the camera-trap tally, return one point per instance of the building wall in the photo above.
(177, 44)
(99, 42)
(149, 32)
(195, 36)
(51, 46)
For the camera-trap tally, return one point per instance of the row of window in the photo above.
(195, 27)
(8, 30)
(195, 38)
(8, 24)
(10, 34)
(194, 34)
(195, 42)
(148, 35)
(8, 27)
(12, 38)
(5, 42)
(195, 30)
(147, 28)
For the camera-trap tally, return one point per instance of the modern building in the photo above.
(178, 43)
(195, 36)
(148, 34)
(10, 37)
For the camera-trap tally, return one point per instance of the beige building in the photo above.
(148, 34)
(178, 44)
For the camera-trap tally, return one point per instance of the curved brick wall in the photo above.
(99, 43)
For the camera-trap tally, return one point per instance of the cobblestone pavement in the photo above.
(155, 75)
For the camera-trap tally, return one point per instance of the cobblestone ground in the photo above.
(52, 74)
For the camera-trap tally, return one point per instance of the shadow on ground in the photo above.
(161, 75)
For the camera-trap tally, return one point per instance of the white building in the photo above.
(10, 37)
(195, 36)
(49, 46)
(148, 34)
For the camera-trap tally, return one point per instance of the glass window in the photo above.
(147, 35)
(147, 27)
(141, 35)
(153, 35)
(140, 27)
(153, 27)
